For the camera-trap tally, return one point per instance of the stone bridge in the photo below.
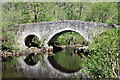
(50, 31)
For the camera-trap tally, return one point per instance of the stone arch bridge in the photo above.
(53, 29)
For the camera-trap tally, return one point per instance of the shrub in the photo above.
(103, 58)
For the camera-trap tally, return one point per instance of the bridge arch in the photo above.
(30, 39)
(56, 34)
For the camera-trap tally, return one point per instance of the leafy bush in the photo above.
(103, 58)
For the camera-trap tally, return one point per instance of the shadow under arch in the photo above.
(54, 36)
(32, 41)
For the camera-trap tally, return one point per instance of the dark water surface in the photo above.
(35, 65)
(66, 61)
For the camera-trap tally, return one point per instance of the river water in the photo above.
(63, 64)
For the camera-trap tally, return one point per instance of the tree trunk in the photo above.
(35, 13)
(81, 8)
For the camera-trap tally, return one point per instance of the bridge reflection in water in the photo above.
(63, 64)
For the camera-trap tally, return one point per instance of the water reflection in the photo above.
(61, 65)
(66, 61)
(9, 69)
(7, 58)
(32, 59)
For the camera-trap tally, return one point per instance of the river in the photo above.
(64, 64)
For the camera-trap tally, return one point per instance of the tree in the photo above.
(103, 12)
(30, 12)
(10, 16)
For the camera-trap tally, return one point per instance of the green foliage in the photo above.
(42, 41)
(30, 12)
(103, 55)
(103, 12)
(100, 62)
(71, 38)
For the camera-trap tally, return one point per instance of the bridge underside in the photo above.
(55, 36)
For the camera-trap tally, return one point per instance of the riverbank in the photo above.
(43, 50)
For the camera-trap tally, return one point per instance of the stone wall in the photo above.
(52, 30)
